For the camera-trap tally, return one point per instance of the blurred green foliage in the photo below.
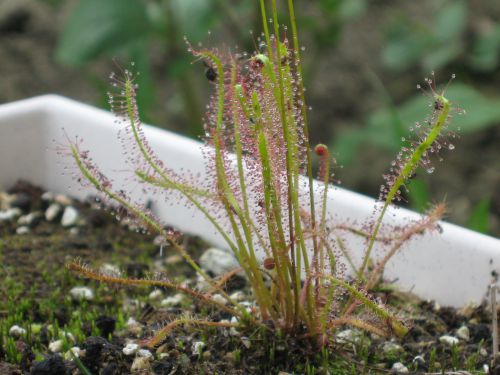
(418, 193)
(432, 46)
(326, 30)
(441, 42)
(112, 26)
(479, 218)
(409, 42)
(132, 29)
(150, 32)
(385, 127)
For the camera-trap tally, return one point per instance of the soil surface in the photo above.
(42, 318)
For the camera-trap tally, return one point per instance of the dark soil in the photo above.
(35, 295)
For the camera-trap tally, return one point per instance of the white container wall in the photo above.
(454, 267)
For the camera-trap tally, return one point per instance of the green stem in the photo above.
(150, 222)
(298, 65)
(406, 172)
(397, 327)
(260, 287)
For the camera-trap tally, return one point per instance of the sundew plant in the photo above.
(261, 196)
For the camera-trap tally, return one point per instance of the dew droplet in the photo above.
(451, 146)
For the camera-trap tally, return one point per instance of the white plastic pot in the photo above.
(453, 268)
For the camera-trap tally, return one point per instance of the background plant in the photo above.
(134, 28)
(258, 157)
(452, 38)
(345, 37)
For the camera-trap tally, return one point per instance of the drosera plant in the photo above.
(261, 197)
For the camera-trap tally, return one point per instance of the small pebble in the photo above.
(47, 196)
(174, 259)
(32, 219)
(392, 348)
(5, 200)
(202, 284)
(70, 217)
(134, 327)
(16, 331)
(247, 305)
(76, 351)
(218, 262)
(130, 349)
(56, 346)
(145, 354)
(238, 296)
(110, 269)
(131, 322)
(468, 310)
(347, 336)
(197, 347)
(10, 214)
(155, 294)
(399, 368)
(172, 301)
(246, 342)
(22, 230)
(463, 333)
(53, 212)
(419, 363)
(160, 240)
(62, 200)
(207, 354)
(218, 298)
(140, 365)
(131, 305)
(80, 293)
(448, 340)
